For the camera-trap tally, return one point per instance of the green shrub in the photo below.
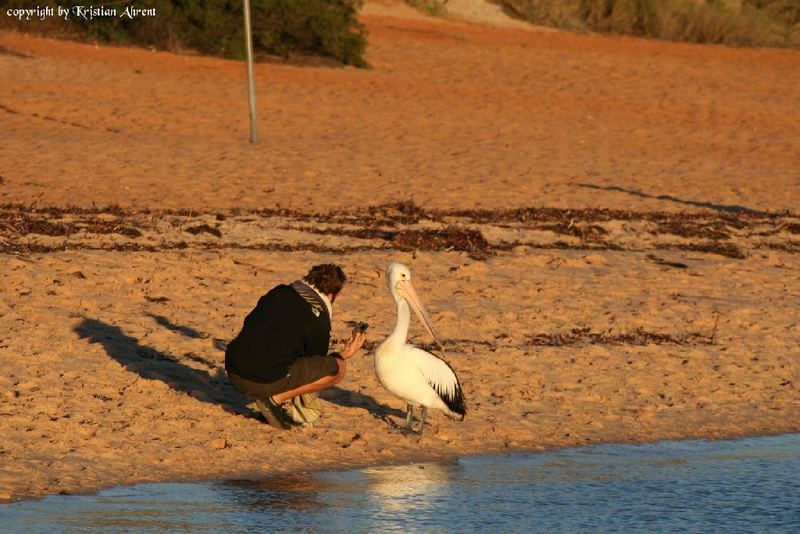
(434, 8)
(285, 28)
(733, 22)
(787, 11)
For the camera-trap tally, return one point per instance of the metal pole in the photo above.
(251, 83)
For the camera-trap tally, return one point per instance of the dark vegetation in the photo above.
(289, 29)
(575, 336)
(637, 337)
(731, 22)
(387, 227)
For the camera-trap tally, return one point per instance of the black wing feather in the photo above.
(455, 399)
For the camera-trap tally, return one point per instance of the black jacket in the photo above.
(282, 327)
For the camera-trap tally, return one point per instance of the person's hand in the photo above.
(353, 345)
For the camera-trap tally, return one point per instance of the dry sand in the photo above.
(656, 298)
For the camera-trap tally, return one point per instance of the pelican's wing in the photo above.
(441, 377)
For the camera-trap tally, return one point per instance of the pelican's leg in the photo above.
(409, 417)
(422, 420)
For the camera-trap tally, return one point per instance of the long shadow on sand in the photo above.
(355, 399)
(708, 205)
(153, 364)
(187, 331)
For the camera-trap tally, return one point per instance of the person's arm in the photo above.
(353, 345)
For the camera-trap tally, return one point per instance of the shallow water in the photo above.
(747, 485)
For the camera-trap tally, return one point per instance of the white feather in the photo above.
(417, 376)
(412, 374)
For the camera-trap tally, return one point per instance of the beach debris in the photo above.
(481, 233)
(194, 230)
(637, 337)
(356, 437)
(450, 238)
(660, 261)
(27, 387)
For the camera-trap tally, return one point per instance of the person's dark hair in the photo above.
(327, 278)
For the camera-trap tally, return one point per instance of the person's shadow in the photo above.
(187, 331)
(153, 364)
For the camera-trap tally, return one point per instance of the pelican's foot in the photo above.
(414, 429)
(410, 427)
(422, 420)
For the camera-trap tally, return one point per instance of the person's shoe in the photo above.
(273, 413)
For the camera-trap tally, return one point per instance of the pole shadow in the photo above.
(733, 208)
(153, 364)
(8, 52)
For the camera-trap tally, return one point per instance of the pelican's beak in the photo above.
(407, 291)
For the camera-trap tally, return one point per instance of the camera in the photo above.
(361, 327)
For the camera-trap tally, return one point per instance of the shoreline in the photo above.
(410, 460)
(455, 456)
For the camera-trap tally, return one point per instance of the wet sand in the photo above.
(605, 231)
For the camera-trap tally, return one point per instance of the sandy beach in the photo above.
(605, 231)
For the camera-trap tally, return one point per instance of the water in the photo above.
(747, 485)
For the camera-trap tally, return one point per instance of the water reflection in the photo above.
(418, 486)
(290, 492)
(745, 485)
(378, 497)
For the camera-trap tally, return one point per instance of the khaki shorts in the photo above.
(302, 371)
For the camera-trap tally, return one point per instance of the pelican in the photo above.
(412, 374)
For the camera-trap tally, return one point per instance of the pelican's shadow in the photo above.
(153, 364)
(356, 399)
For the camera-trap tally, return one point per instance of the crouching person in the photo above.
(281, 353)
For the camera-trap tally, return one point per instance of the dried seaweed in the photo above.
(204, 228)
(384, 223)
(159, 300)
(23, 224)
(693, 228)
(637, 337)
(713, 247)
(792, 248)
(660, 261)
(575, 337)
(37, 248)
(586, 232)
(128, 231)
(450, 238)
